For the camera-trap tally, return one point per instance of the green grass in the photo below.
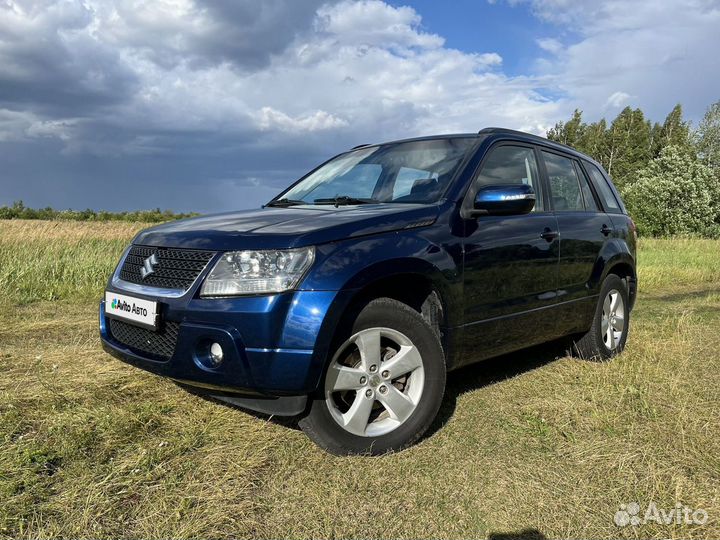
(93, 448)
(679, 263)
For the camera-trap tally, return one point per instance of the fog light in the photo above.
(216, 354)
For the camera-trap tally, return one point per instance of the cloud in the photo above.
(203, 33)
(210, 104)
(268, 119)
(656, 53)
(50, 64)
(357, 69)
(374, 23)
(617, 99)
(550, 45)
(489, 59)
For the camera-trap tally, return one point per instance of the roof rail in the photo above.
(360, 146)
(489, 130)
(509, 132)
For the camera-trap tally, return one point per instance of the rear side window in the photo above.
(603, 189)
(590, 204)
(564, 183)
(509, 164)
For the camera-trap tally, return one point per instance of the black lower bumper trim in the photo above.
(275, 405)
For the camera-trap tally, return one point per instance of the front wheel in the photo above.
(609, 331)
(383, 386)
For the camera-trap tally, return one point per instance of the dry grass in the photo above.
(90, 447)
(52, 260)
(21, 230)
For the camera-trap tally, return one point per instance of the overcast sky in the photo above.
(211, 105)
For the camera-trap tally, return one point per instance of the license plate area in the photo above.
(137, 311)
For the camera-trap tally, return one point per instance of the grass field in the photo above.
(535, 443)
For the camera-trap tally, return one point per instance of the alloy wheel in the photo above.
(374, 382)
(613, 319)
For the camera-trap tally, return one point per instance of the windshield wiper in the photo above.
(285, 202)
(344, 200)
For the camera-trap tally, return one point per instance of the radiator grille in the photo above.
(157, 345)
(175, 268)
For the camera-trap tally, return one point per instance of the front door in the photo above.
(510, 262)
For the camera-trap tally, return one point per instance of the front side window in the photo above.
(509, 164)
(406, 172)
(564, 183)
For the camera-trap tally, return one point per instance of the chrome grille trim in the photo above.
(133, 256)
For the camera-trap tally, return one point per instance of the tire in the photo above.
(612, 313)
(375, 402)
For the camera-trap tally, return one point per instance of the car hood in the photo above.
(275, 228)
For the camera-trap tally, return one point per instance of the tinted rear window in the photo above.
(607, 196)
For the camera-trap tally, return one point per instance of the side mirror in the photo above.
(504, 200)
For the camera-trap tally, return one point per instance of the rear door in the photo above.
(584, 228)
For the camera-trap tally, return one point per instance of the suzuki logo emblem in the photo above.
(149, 265)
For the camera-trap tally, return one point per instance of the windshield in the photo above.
(409, 172)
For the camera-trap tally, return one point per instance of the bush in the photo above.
(675, 194)
(19, 211)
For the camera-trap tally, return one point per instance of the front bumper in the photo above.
(274, 346)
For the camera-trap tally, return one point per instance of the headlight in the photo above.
(257, 272)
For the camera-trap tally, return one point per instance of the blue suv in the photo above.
(347, 298)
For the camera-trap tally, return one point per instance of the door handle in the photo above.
(549, 234)
(606, 230)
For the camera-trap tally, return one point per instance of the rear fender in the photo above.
(614, 252)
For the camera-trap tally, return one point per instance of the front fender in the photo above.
(355, 264)
(349, 266)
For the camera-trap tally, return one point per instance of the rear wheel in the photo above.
(609, 331)
(383, 386)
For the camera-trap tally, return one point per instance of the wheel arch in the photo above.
(414, 282)
(415, 289)
(625, 271)
(617, 259)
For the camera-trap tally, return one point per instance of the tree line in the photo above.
(19, 211)
(668, 174)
